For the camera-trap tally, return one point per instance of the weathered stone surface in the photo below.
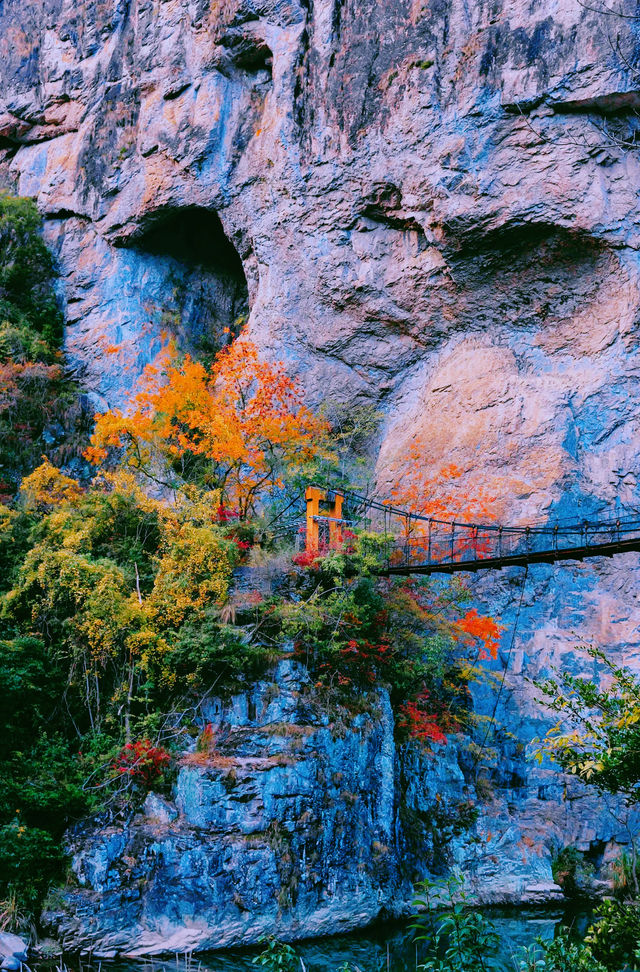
(435, 207)
(426, 209)
(159, 810)
(402, 182)
(289, 826)
(301, 826)
(13, 951)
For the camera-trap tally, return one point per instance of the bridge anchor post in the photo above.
(315, 499)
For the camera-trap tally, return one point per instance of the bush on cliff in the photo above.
(34, 389)
(355, 631)
(597, 740)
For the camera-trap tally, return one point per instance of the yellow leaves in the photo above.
(630, 717)
(89, 599)
(587, 768)
(74, 540)
(467, 671)
(70, 587)
(123, 483)
(7, 520)
(194, 570)
(48, 487)
(151, 652)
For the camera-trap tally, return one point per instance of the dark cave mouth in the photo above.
(207, 296)
(193, 236)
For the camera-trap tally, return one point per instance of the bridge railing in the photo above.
(437, 543)
(415, 541)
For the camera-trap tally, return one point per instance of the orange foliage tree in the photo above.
(238, 427)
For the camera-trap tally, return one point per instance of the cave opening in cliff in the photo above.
(207, 298)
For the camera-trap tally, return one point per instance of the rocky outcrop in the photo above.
(288, 826)
(305, 822)
(13, 952)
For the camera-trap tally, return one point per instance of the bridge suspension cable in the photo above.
(418, 544)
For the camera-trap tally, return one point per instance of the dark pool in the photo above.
(381, 948)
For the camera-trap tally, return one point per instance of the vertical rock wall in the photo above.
(305, 822)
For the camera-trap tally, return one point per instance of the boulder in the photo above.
(13, 951)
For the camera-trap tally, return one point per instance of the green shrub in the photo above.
(597, 736)
(356, 631)
(27, 273)
(277, 956)
(460, 939)
(207, 652)
(30, 859)
(614, 937)
(626, 876)
(36, 391)
(571, 871)
(45, 782)
(560, 955)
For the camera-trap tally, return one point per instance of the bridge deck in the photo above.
(550, 556)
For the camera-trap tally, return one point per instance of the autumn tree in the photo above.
(239, 428)
(597, 735)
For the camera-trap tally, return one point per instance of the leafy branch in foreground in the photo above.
(597, 738)
(560, 955)
(278, 957)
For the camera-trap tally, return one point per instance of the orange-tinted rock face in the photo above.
(429, 205)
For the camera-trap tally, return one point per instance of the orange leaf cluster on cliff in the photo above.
(483, 630)
(236, 427)
(440, 496)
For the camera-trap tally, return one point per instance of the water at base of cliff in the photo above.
(384, 947)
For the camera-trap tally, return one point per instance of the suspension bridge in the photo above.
(415, 544)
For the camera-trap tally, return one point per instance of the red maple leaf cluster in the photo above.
(362, 661)
(424, 718)
(143, 762)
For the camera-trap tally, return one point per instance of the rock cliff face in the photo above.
(289, 827)
(303, 825)
(428, 205)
